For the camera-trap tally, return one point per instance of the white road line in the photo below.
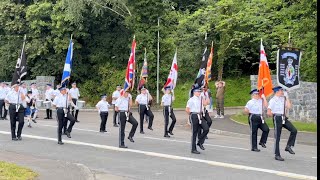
(168, 156)
(230, 147)
(314, 157)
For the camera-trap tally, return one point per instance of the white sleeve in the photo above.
(55, 101)
(248, 105)
(98, 104)
(188, 103)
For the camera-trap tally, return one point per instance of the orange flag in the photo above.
(264, 77)
(209, 63)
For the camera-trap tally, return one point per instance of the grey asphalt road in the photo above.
(90, 154)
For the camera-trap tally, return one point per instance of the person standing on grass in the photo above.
(220, 85)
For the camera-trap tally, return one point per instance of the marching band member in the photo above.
(194, 110)
(166, 102)
(123, 106)
(103, 108)
(115, 96)
(142, 100)
(206, 101)
(3, 93)
(75, 94)
(254, 109)
(49, 95)
(277, 109)
(35, 91)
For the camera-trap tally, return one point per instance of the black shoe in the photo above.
(141, 132)
(19, 138)
(29, 126)
(279, 158)
(130, 138)
(34, 121)
(68, 134)
(77, 121)
(171, 133)
(150, 128)
(255, 149)
(101, 131)
(115, 125)
(50, 117)
(166, 136)
(200, 146)
(123, 146)
(60, 142)
(206, 137)
(5, 118)
(263, 145)
(46, 118)
(195, 152)
(288, 148)
(64, 133)
(14, 139)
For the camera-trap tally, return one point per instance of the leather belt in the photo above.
(123, 111)
(256, 114)
(142, 104)
(60, 108)
(278, 114)
(103, 111)
(194, 113)
(15, 104)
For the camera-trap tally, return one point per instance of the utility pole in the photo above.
(158, 57)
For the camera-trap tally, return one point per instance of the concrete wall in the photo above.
(304, 100)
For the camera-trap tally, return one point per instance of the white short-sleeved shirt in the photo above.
(254, 106)
(3, 92)
(56, 92)
(194, 104)
(60, 101)
(35, 93)
(122, 103)
(276, 104)
(13, 97)
(142, 99)
(24, 91)
(103, 105)
(115, 94)
(49, 93)
(74, 92)
(166, 99)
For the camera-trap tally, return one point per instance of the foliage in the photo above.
(12, 171)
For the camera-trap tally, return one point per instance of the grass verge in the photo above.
(9, 171)
(301, 126)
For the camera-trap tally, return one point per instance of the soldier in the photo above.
(103, 108)
(255, 119)
(62, 103)
(75, 94)
(277, 109)
(16, 110)
(49, 95)
(31, 111)
(123, 106)
(3, 94)
(166, 102)
(220, 85)
(194, 109)
(115, 96)
(142, 100)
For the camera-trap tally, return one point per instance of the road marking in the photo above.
(161, 139)
(168, 156)
(314, 157)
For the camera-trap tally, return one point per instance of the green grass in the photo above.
(9, 171)
(236, 94)
(301, 126)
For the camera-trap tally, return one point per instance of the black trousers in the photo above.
(61, 121)
(104, 117)
(77, 111)
(16, 116)
(277, 122)
(195, 126)
(166, 119)
(65, 122)
(123, 119)
(49, 111)
(208, 120)
(255, 123)
(2, 107)
(142, 111)
(115, 114)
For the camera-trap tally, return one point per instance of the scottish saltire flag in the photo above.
(209, 64)
(67, 65)
(130, 74)
(173, 75)
(21, 66)
(144, 71)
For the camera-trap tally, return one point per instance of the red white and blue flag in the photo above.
(130, 72)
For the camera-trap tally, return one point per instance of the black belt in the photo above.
(142, 104)
(103, 111)
(278, 114)
(60, 108)
(167, 106)
(123, 111)
(14, 104)
(256, 114)
(194, 113)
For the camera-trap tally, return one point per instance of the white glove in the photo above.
(285, 93)
(99, 112)
(263, 96)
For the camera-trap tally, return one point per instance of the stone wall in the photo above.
(304, 100)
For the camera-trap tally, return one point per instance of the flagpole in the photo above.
(158, 57)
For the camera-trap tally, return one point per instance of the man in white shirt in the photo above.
(277, 109)
(255, 111)
(142, 100)
(115, 96)
(75, 94)
(23, 88)
(166, 102)
(103, 108)
(3, 94)
(35, 91)
(49, 95)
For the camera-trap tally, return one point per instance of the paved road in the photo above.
(90, 154)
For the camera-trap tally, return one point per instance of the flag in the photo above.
(199, 82)
(173, 74)
(130, 74)
(264, 77)
(67, 65)
(21, 66)
(209, 64)
(144, 71)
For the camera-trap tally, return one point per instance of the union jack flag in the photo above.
(130, 72)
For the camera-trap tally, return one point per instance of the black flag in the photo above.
(21, 66)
